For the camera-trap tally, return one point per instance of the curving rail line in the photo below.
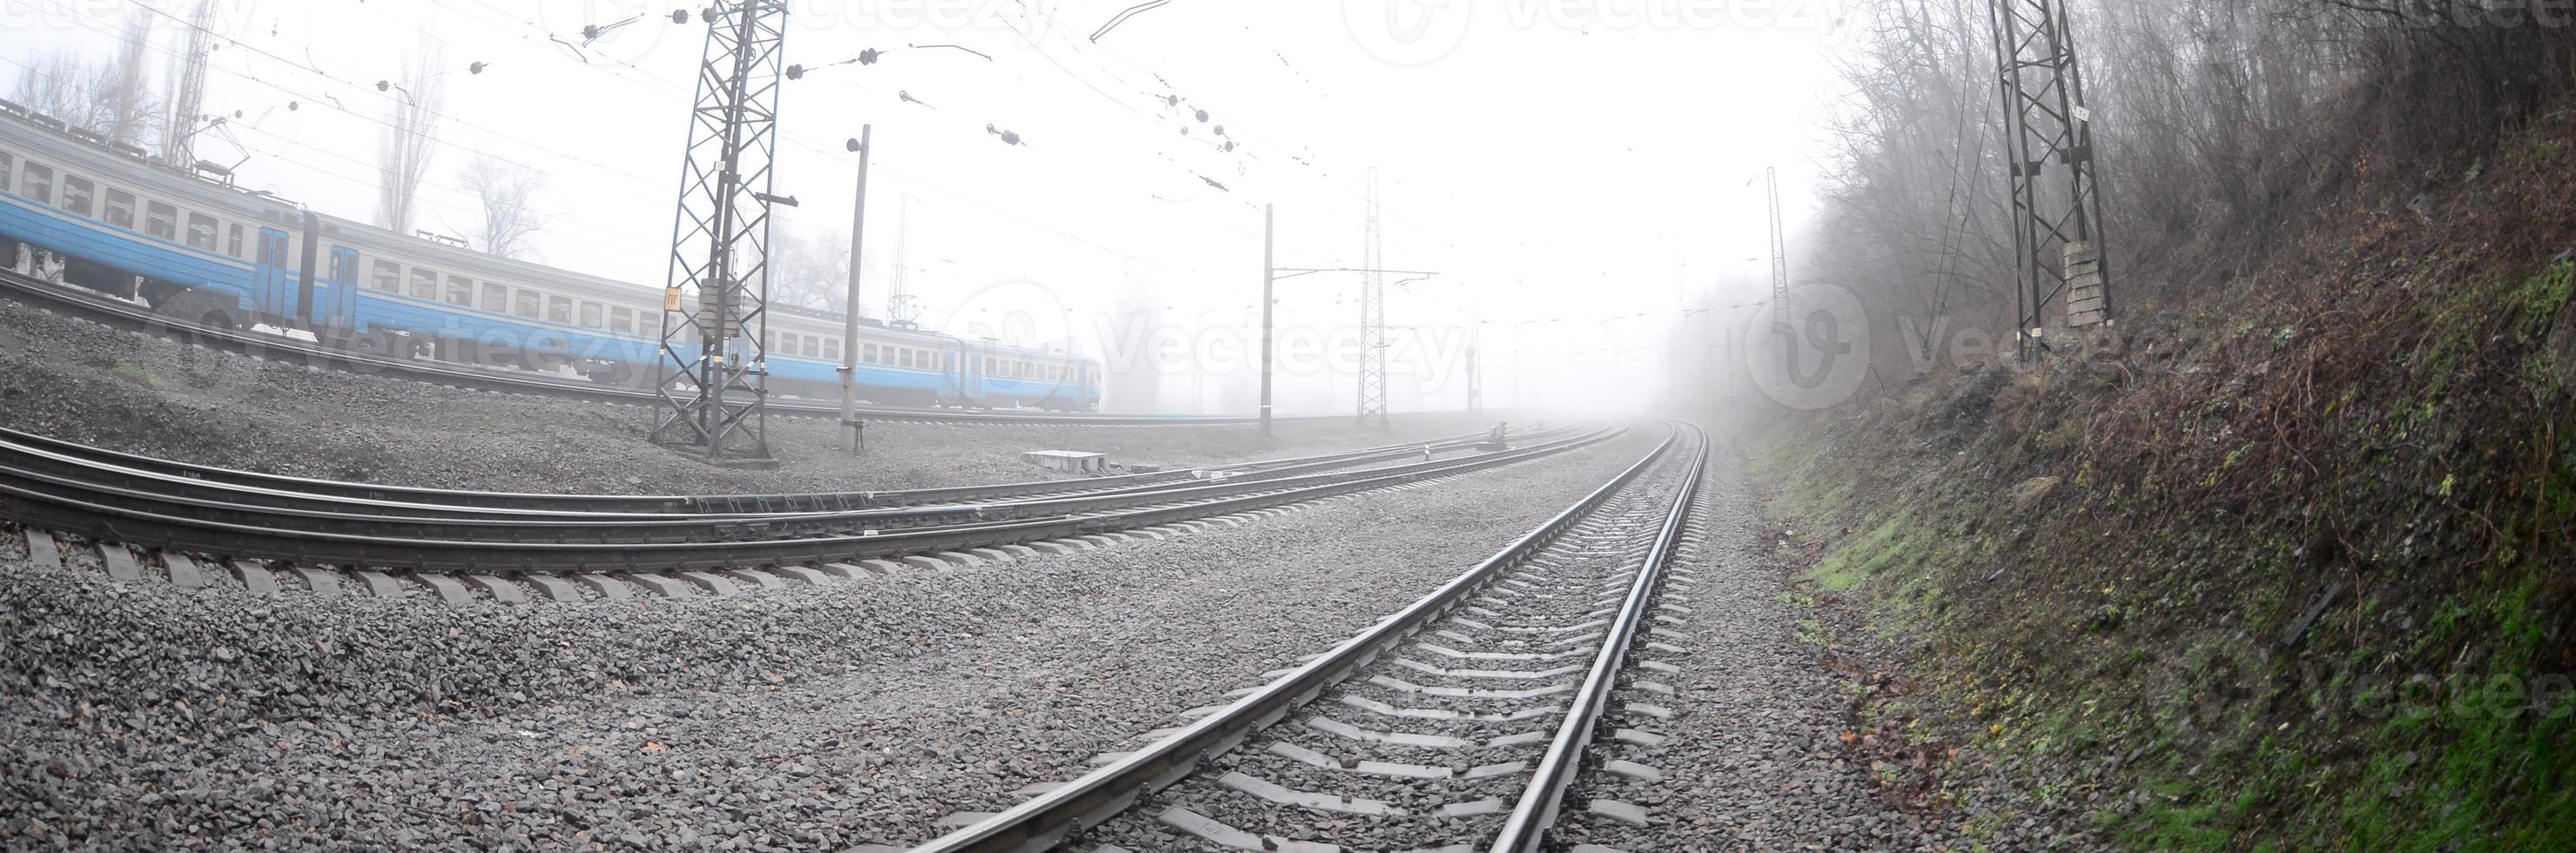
(334, 532)
(1063, 811)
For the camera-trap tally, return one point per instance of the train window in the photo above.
(8, 166)
(832, 349)
(590, 313)
(201, 231)
(233, 242)
(120, 207)
(868, 353)
(621, 320)
(161, 219)
(77, 192)
(460, 291)
(527, 304)
(496, 298)
(559, 309)
(424, 284)
(903, 358)
(340, 271)
(40, 183)
(388, 276)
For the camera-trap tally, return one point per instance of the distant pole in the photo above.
(850, 314)
(1269, 278)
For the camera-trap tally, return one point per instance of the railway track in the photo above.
(125, 315)
(1455, 725)
(109, 467)
(145, 522)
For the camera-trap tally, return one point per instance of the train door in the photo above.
(952, 376)
(335, 302)
(975, 366)
(273, 286)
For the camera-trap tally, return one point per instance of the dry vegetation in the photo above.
(2293, 564)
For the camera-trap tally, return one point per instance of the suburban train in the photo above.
(195, 248)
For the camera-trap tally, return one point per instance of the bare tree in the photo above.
(807, 268)
(110, 98)
(410, 138)
(508, 193)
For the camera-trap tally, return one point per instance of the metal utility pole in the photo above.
(188, 89)
(2056, 242)
(850, 311)
(1372, 318)
(1269, 280)
(1779, 250)
(712, 348)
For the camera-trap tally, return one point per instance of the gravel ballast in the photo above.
(1755, 756)
(80, 381)
(145, 716)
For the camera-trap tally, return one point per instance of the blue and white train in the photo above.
(201, 250)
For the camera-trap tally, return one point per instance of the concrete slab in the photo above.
(1056, 549)
(502, 589)
(553, 588)
(756, 578)
(846, 571)
(923, 561)
(802, 573)
(255, 576)
(988, 555)
(184, 572)
(121, 562)
(882, 567)
(961, 559)
(42, 548)
(1633, 770)
(1098, 541)
(714, 584)
(1019, 551)
(449, 589)
(607, 585)
(379, 584)
(321, 582)
(665, 586)
(1619, 811)
(1638, 738)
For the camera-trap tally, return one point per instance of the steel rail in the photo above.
(255, 507)
(136, 318)
(76, 510)
(463, 501)
(1040, 823)
(1526, 828)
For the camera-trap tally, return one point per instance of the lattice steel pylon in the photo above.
(188, 89)
(903, 309)
(2056, 223)
(1372, 318)
(715, 318)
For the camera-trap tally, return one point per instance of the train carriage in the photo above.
(203, 251)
